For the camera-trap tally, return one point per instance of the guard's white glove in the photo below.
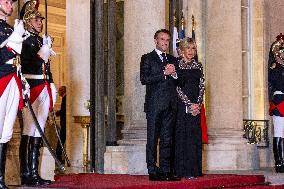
(52, 53)
(46, 49)
(26, 34)
(15, 40)
(27, 90)
(44, 52)
(19, 27)
(53, 93)
(47, 40)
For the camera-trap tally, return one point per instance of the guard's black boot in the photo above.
(3, 151)
(35, 144)
(278, 156)
(24, 160)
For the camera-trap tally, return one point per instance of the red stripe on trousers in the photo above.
(4, 83)
(35, 92)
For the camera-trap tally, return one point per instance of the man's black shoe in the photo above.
(171, 177)
(189, 177)
(155, 177)
(163, 177)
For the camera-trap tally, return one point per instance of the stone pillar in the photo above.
(78, 59)
(141, 19)
(260, 104)
(97, 88)
(111, 136)
(227, 150)
(138, 39)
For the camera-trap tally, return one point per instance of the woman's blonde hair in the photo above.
(184, 43)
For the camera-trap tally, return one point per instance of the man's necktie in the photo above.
(165, 60)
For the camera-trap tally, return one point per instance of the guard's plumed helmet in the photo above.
(30, 10)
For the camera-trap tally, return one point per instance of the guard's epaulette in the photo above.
(34, 40)
(5, 30)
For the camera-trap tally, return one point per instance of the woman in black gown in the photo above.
(188, 141)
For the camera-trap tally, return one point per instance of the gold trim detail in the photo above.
(85, 124)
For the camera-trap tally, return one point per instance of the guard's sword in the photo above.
(52, 112)
(44, 139)
(59, 140)
(45, 17)
(19, 9)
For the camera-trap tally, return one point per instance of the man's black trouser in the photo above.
(160, 124)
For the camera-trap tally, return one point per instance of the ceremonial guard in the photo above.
(36, 68)
(10, 84)
(276, 85)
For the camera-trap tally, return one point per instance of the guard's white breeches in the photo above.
(41, 108)
(278, 123)
(9, 102)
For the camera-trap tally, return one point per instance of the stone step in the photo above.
(270, 175)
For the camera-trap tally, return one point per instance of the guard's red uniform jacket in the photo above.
(7, 69)
(35, 70)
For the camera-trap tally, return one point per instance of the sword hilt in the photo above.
(62, 168)
(19, 9)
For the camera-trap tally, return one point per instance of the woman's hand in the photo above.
(169, 69)
(195, 109)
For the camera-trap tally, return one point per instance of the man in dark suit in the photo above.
(157, 72)
(62, 114)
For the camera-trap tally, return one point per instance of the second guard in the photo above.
(35, 67)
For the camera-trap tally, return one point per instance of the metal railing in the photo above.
(256, 132)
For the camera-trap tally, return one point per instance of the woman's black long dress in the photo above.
(188, 141)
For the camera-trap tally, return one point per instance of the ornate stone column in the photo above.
(78, 59)
(138, 40)
(141, 19)
(227, 150)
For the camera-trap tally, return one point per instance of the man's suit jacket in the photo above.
(160, 91)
